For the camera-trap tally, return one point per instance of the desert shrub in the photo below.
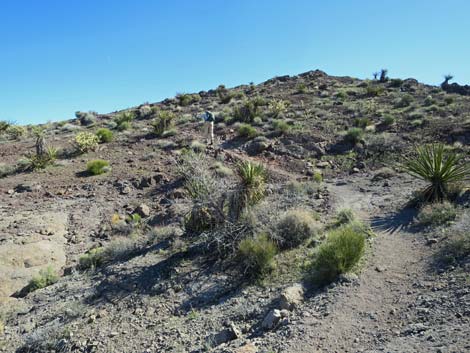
(97, 167)
(396, 82)
(164, 121)
(344, 216)
(41, 161)
(185, 99)
(16, 131)
(428, 101)
(295, 227)
(447, 100)
(281, 126)
(4, 125)
(362, 122)
(317, 176)
(247, 131)
(104, 135)
(6, 170)
(124, 120)
(277, 107)
(388, 120)
(197, 146)
(86, 118)
(301, 88)
(373, 90)
(225, 96)
(118, 249)
(437, 213)
(169, 133)
(257, 255)
(200, 219)
(221, 170)
(404, 101)
(339, 253)
(257, 121)
(145, 111)
(250, 190)
(439, 167)
(45, 278)
(86, 141)
(456, 249)
(354, 135)
(94, 258)
(248, 110)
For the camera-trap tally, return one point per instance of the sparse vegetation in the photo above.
(277, 107)
(281, 126)
(45, 278)
(97, 167)
(438, 213)
(185, 99)
(438, 166)
(16, 131)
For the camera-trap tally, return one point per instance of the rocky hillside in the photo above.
(126, 232)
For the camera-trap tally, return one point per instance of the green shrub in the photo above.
(185, 99)
(248, 110)
(344, 216)
(404, 101)
(164, 121)
(45, 278)
(247, 131)
(373, 90)
(396, 82)
(362, 122)
(16, 131)
(4, 125)
(253, 178)
(257, 255)
(199, 220)
(428, 101)
(437, 213)
(301, 88)
(339, 253)
(281, 126)
(388, 120)
(317, 176)
(354, 135)
(221, 170)
(104, 135)
(295, 227)
(97, 167)
(93, 259)
(438, 166)
(447, 100)
(86, 141)
(197, 146)
(124, 120)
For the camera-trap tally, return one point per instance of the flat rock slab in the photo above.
(30, 243)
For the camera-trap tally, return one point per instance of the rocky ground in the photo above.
(162, 294)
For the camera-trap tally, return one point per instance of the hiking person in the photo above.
(209, 119)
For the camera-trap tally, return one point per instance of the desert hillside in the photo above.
(302, 228)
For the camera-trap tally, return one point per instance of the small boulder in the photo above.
(226, 335)
(292, 296)
(271, 320)
(143, 210)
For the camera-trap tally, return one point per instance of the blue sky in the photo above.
(60, 56)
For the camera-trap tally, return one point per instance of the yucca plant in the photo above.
(251, 189)
(438, 166)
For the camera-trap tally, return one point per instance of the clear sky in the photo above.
(60, 56)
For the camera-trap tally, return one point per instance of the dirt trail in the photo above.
(368, 315)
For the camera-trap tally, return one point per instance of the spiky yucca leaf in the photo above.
(438, 167)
